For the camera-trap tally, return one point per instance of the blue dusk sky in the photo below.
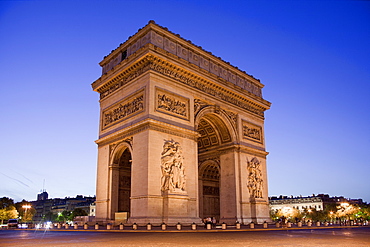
(312, 56)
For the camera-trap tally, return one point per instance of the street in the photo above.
(359, 236)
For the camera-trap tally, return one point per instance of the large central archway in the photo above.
(209, 190)
(214, 135)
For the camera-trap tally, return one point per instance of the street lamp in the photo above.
(25, 210)
(331, 216)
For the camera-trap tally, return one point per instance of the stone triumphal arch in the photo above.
(181, 135)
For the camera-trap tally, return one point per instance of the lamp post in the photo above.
(25, 207)
(331, 217)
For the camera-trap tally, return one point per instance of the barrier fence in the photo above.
(191, 227)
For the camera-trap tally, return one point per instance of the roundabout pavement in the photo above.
(313, 236)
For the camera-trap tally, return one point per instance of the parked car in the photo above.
(13, 223)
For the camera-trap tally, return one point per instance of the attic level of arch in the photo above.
(219, 90)
(218, 73)
(176, 45)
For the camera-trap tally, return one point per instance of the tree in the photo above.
(26, 211)
(346, 211)
(78, 212)
(6, 202)
(274, 214)
(60, 218)
(319, 215)
(287, 212)
(364, 212)
(7, 213)
(64, 216)
(49, 216)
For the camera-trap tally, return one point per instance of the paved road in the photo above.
(317, 237)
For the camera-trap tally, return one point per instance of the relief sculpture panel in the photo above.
(252, 132)
(172, 104)
(255, 180)
(123, 109)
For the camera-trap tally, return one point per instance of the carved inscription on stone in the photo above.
(173, 170)
(123, 110)
(172, 104)
(255, 181)
(252, 132)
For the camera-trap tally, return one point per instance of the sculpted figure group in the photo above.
(255, 180)
(173, 176)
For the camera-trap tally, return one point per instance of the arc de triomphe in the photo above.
(181, 135)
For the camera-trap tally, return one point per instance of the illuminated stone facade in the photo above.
(300, 203)
(181, 135)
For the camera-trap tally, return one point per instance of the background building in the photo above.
(45, 206)
(317, 202)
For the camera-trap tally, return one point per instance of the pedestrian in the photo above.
(214, 221)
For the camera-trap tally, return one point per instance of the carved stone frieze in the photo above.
(123, 109)
(252, 132)
(172, 104)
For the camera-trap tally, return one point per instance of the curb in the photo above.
(194, 231)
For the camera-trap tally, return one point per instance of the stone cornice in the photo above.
(253, 151)
(148, 124)
(219, 150)
(123, 74)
